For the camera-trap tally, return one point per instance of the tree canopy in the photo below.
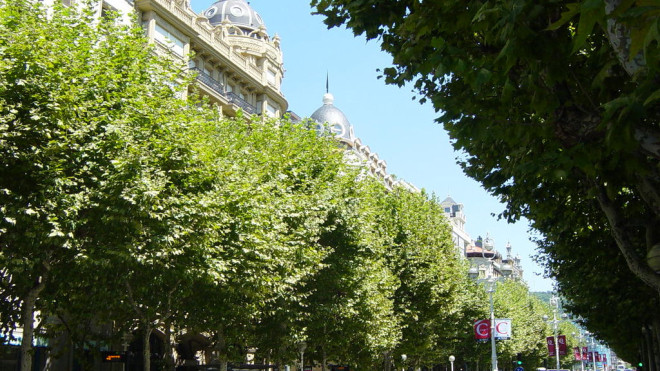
(553, 107)
(130, 208)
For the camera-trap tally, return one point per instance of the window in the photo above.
(271, 110)
(165, 37)
(271, 76)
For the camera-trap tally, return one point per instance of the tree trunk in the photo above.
(146, 352)
(655, 348)
(324, 361)
(618, 35)
(28, 332)
(29, 303)
(168, 357)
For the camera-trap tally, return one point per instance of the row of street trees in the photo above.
(126, 210)
(553, 106)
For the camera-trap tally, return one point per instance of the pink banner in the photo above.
(482, 329)
(561, 339)
(585, 352)
(551, 345)
(576, 354)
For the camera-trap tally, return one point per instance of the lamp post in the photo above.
(451, 361)
(491, 279)
(554, 301)
(493, 350)
(592, 348)
(301, 349)
(580, 337)
(403, 362)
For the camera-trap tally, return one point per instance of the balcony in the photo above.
(209, 81)
(247, 107)
(219, 88)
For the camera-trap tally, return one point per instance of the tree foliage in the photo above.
(553, 105)
(128, 208)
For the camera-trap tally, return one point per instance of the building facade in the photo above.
(238, 66)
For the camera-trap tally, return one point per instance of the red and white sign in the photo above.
(503, 329)
(552, 349)
(585, 352)
(577, 354)
(561, 339)
(482, 329)
(551, 345)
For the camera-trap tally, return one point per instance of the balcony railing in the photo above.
(209, 81)
(219, 88)
(247, 107)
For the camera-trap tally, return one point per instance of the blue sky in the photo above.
(385, 118)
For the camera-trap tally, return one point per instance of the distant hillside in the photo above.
(543, 296)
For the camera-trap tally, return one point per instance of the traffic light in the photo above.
(519, 359)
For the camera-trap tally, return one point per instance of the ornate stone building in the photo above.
(329, 117)
(238, 65)
(480, 252)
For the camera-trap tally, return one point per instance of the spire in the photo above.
(327, 82)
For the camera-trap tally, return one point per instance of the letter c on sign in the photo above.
(498, 328)
(482, 328)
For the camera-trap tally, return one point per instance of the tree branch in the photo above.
(626, 246)
(648, 191)
(619, 37)
(132, 300)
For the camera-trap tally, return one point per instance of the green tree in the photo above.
(350, 316)
(513, 300)
(553, 105)
(91, 150)
(433, 279)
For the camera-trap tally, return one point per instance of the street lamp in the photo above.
(403, 362)
(493, 350)
(554, 301)
(592, 348)
(488, 245)
(301, 349)
(451, 361)
(490, 278)
(580, 337)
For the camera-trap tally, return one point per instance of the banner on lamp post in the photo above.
(503, 329)
(561, 339)
(551, 345)
(482, 330)
(577, 355)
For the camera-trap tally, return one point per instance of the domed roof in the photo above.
(238, 12)
(334, 118)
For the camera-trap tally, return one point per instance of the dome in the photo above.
(238, 12)
(334, 118)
